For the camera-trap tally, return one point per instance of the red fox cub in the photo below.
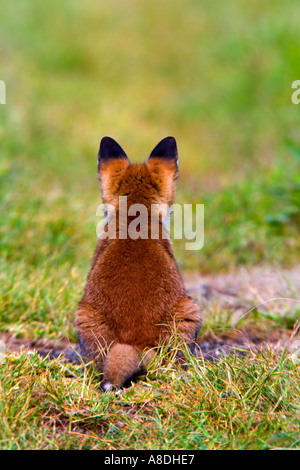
(134, 297)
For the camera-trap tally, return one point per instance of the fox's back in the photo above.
(133, 286)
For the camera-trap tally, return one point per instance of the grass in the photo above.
(236, 403)
(218, 77)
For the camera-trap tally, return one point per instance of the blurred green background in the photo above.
(216, 75)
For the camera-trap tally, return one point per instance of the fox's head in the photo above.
(150, 183)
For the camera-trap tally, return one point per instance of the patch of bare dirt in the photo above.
(246, 286)
(63, 348)
(236, 296)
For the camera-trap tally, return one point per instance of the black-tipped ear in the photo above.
(110, 150)
(167, 149)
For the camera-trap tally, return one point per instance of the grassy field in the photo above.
(241, 403)
(218, 77)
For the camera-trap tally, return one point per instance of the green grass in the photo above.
(237, 403)
(218, 77)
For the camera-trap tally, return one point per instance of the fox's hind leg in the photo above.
(187, 321)
(93, 334)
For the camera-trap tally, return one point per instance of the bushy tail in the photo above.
(122, 363)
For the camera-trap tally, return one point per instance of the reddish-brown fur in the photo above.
(134, 297)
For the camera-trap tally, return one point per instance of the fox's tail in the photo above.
(121, 363)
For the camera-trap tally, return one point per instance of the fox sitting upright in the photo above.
(134, 297)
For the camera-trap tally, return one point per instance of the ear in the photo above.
(112, 162)
(110, 150)
(163, 165)
(167, 150)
